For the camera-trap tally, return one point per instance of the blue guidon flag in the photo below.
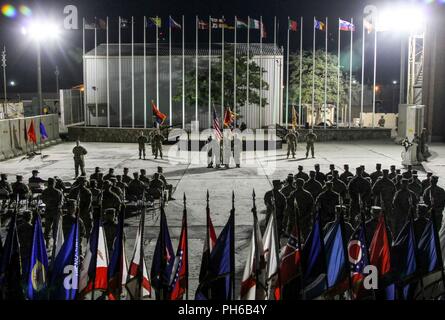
(43, 134)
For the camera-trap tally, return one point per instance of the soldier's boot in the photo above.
(210, 165)
(288, 154)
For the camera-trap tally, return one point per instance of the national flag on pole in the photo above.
(319, 25)
(202, 25)
(209, 244)
(93, 279)
(65, 272)
(344, 25)
(179, 276)
(293, 25)
(229, 118)
(294, 118)
(43, 134)
(379, 250)
(118, 268)
(271, 255)
(216, 126)
(163, 260)
(368, 26)
(358, 260)
(240, 24)
(218, 279)
(11, 266)
(263, 31)
(160, 117)
(336, 264)
(154, 22)
(313, 263)
(218, 23)
(32, 133)
(427, 250)
(252, 284)
(290, 259)
(138, 284)
(254, 24)
(38, 268)
(173, 24)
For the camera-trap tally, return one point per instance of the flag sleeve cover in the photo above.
(38, 270)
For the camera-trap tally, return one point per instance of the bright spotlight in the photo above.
(12, 83)
(39, 30)
(404, 18)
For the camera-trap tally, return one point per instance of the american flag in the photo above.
(216, 127)
(290, 258)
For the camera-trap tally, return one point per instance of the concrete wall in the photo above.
(13, 139)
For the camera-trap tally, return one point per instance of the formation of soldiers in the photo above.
(395, 193)
(220, 152)
(292, 139)
(97, 196)
(155, 138)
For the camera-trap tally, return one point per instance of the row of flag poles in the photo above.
(221, 24)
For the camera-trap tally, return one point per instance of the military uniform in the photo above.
(126, 179)
(301, 174)
(305, 205)
(275, 199)
(434, 197)
(339, 187)
(376, 174)
(384, 190)
(327, 201)
(85, 201)
(314, 187)
(142, 140)
(67, 222)
(157, 140)
(25, 231)
(110, 227)
(167, 186)
(359, 188)
(426, 182)
(136, 189)
(95, 175)
(310, 141)
(52, 198)
(345, 175)
(79, 159)
(21, 189)
(416, 187)
(291, 139)
(144, 178)
(156, 187)
(96, 198)
(110, 200)
(401, 209)
(319, 176)
(35, 183)
(109, 175)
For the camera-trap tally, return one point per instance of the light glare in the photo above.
(401, 18)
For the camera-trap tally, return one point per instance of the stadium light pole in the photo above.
(40, 31)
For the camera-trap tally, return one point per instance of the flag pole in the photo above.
(232, 247)
(108, 78)
(187, 246)
(183, 75)
(374, 79)
(363, 74)
(210, 73)
(300, 118)
(222, 74)
(274, 67)
(248, 67)
(157, 63)
(325, 76)
(261, 73)
(234, 69)
(84, 74)
(132, 72)
(313, 75)
(338, 76)
(95, 73)
(120, 74)
(350, 74)
(145, 72)
(170, 109)
(287, 75)
(196, 71)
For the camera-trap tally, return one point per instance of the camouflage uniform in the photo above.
(20, 189)
(142, 140)
(313, 186)
(401, 207)
(311, 137)
(275, 199)
(157, 140)
(85, 200)
(359, 188)
(301, 174)
(384, 190)
(52, 198)
(125, 177)
(305, 204)
(291, 139)
(327, 201)
(110, 200)
(79, 159)
(136, 189)
(25, 231)
(346, 174)
(156, 187)
(110, 227)
(319, 176)
(434, 197)
(377, 173)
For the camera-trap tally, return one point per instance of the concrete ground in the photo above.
(190, 176)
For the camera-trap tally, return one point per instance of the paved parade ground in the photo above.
(194, 179)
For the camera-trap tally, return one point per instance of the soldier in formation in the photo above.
(79, 153)
(291, 139)
(142, 140)
(311, 137)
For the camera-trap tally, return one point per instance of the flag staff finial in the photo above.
(185, 199)
(233, 199)
(207, 197)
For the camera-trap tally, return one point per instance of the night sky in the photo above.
(66, 52)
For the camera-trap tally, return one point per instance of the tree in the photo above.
(306, 88)
(241, 82)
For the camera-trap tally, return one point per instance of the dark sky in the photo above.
(66, 53)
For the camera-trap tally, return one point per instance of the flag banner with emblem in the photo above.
(358, 260)
(93, 280)
(138, 284)
(118, 268)
(229, 118)
(290, 262)
(240, 24)
(293, 25)
(209, 244)
(336, 265)
(379, 250)
(202, 25)
(32, 133)
(344, 25)
(217, 23)
(319, 25)
(216, 126)
(271, 256)
(11, 266)
(403, 255)
(427, 251)
(173, 24)
(38, 268)
(43, 134)
(163, 260)
(179, 276)
(153, 22)
(253, 285)
(65, 272)
(313, 263)
(160, 117)
(218, 279)
(254, 24)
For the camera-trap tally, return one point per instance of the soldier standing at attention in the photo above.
(142, 140)
(158, 138)
(110, 226)
(377, 173)
(434, 197)
(125, 177)
(301, 174)
(52, 198)
(96, 173)
(291, 139)
(79, 159)
(237, 149)
(69, 219)
(25, 232)
(274, 199)
(305, 204)
(311, 137)
(381, 122)
(346, 174)
(19, 188)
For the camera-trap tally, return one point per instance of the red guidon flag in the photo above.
(32, 133)
(379, 250)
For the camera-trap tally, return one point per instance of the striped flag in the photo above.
(345, 25)
(216, 127)
(319, 25)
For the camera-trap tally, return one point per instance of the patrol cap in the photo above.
(393, 167)
(111, 170)
(143, 171)
(159, 169)
(300, 167)
(335, 171)
(276, 183)
(316, 165)
(19, 177)
(299, 182)
(97, 169)
(51, 181)
(346, 166)
(136, 174)
(3, 175)
(35, 171)
(126, 169)
(312, 172)
(378, 165)
(359, 168)
(332, 166)
(385, 171)
(434, 178)
(398, 171)
(290, 177)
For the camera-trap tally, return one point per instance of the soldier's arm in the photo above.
(84, 151)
